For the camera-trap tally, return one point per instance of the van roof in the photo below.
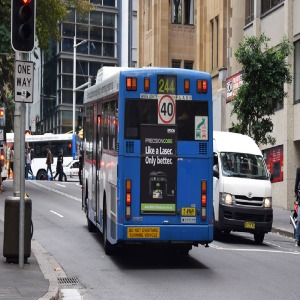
(234, 142)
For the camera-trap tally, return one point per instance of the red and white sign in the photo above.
(166, 109)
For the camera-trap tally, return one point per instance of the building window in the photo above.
(182, 8)
(214, 25)
(176, 11)
(176, 63)
(149, 15)
(189, 12)
(297, 71)
(249, 11)
(188, 65)
(267, 5)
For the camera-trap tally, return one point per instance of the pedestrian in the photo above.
(28, 163)
(297, 187)
(49, 162)
(11, 161)
(59, 166)
(80, 167)
(1, 188)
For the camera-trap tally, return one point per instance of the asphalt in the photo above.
(37, 279)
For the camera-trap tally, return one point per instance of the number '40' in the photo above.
(167, 109)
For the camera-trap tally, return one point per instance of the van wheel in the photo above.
(259, 237)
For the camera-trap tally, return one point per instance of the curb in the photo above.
(50, 268)
(283, 232)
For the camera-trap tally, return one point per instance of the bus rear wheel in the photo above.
(108, 247)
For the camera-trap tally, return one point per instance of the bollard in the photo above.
(11, 229)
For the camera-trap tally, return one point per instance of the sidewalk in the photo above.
(38, 279)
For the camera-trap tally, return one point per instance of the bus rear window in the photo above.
(186, 111)
(139, 112)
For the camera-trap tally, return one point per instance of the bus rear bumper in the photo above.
(193, 234)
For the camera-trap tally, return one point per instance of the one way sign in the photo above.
(24, 81)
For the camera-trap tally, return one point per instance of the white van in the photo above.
(242, 186)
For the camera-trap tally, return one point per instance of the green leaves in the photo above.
(264, 70)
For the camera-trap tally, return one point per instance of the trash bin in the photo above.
(11, 228)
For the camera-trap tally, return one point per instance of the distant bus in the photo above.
(69, 143)
(148, 158)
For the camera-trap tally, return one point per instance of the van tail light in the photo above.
(128, 199)
(203, 199)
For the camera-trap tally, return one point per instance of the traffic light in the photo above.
(23, 25)
(27, 132)
(2, 116)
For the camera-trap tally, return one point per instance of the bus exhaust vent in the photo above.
(202, 148)
(130, 147)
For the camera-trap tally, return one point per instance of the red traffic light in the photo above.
(2, 113)
(27, 132)
(23, 25)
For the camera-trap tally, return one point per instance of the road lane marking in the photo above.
(60, 184)
(56, 191)
(253, 250)
(54, 212)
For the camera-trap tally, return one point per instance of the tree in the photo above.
(264, 72)
(48, 14)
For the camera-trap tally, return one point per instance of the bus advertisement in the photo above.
(148, 158)
(68, 143)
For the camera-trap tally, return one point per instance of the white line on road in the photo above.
(60, 184)
(56, 191)
(54, 212)
(253, 250)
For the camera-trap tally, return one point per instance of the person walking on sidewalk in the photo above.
(11, 162)
(297, 187)
(49, 162)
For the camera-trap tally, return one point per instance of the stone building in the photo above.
(204, 35)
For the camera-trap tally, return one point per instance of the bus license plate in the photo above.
(249, 225)
(188, 211)
(143, 232)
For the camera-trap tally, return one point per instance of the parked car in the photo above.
(71, 171)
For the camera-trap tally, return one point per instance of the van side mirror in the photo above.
(216, 171)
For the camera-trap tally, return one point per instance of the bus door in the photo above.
(98, 167)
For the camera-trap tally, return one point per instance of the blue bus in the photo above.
(148, 157)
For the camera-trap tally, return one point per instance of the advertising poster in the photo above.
(274, 161)
(158, 169)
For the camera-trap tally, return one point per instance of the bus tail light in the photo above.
(203, 199)
(202, 86)
(128, 199)
(147, 84)
(131, 83)
(186, 85)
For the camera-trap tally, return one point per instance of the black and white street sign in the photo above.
(24, 81)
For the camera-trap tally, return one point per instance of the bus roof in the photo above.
(41, 137)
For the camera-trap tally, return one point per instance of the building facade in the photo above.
(109, 33)
(204, 35)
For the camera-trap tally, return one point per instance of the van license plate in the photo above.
(249, 225)
(188, 211)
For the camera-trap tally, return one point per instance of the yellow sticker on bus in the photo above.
(143, 232)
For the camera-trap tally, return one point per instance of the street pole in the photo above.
(74, 78)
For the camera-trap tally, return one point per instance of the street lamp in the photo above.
(74, 78)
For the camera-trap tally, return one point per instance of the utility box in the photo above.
(11, 228)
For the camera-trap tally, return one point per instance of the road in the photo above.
(231, 268)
